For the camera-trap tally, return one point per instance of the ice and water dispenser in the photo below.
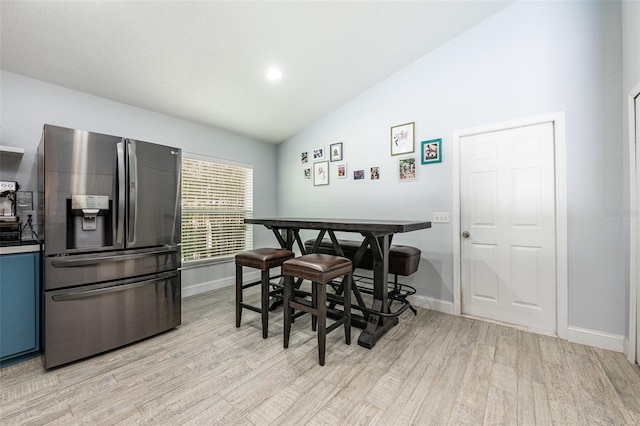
(89, 221)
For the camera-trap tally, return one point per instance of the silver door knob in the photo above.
(466, 234)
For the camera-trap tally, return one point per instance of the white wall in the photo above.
(27, 104)
(531, 58)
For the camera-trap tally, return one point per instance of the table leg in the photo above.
(378, 325)
(375, 327)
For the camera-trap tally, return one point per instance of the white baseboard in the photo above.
(583, 336)
(203, 287)
(597, 339)
(626, 350)
(434, 304)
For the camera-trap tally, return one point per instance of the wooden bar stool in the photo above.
(319, 269)
(263, 259)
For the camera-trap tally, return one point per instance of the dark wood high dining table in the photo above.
(377, 237)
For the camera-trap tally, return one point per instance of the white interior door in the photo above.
(507, 219)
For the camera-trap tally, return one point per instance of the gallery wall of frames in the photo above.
(319, 168)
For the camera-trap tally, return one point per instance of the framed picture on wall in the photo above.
(342, 170)
(318, 154)
(402, 139)
(407, 169)
(431, 151)
(335, 151)
(321, 173)
(375, 173)
(304, 158)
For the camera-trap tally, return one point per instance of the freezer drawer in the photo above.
(68, 271)
(85, 321)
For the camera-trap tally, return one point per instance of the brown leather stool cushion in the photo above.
(263, 258)
(317, 267)
(403, 260)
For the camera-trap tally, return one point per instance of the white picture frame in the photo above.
(321, 173)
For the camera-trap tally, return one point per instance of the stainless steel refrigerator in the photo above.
(110, 217)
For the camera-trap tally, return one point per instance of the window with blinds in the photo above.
(216, 198)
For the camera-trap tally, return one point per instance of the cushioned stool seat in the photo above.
(403, 260)
(263, 259)
(319, 269)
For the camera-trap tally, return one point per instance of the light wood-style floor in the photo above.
(432, 368)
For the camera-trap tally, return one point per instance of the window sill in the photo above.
(206, 262)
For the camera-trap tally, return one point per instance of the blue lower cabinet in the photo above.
(19, 307)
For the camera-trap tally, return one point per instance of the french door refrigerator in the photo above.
(110, 217)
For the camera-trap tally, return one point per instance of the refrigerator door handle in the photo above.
(92, 293)
(95, 260)
(133, 189)
(120, 187)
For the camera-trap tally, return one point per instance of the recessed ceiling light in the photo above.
(274, 73)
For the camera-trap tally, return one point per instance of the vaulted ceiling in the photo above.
(206, 61)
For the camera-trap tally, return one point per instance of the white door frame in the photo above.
(558, 121)
(634, 227)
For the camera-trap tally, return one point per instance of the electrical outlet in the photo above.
(440, 217)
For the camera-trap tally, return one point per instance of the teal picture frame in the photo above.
(431, 151)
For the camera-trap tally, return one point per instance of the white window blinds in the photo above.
(216, 198)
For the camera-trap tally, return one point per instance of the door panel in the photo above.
(19, 304)
(484, 280)
(77, 163)
(154, 194)
(525, 267)
(484, 209)
(525, 197)
(508, 209)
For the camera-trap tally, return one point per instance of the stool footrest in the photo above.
(251, 307)
(258, 282)
(249, 285)
(297, 304)
(298, 314)
(398, 292)
(336, 324)
(365, 285)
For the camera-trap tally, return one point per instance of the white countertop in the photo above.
(24, 247)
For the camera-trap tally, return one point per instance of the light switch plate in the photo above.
(440, 217)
